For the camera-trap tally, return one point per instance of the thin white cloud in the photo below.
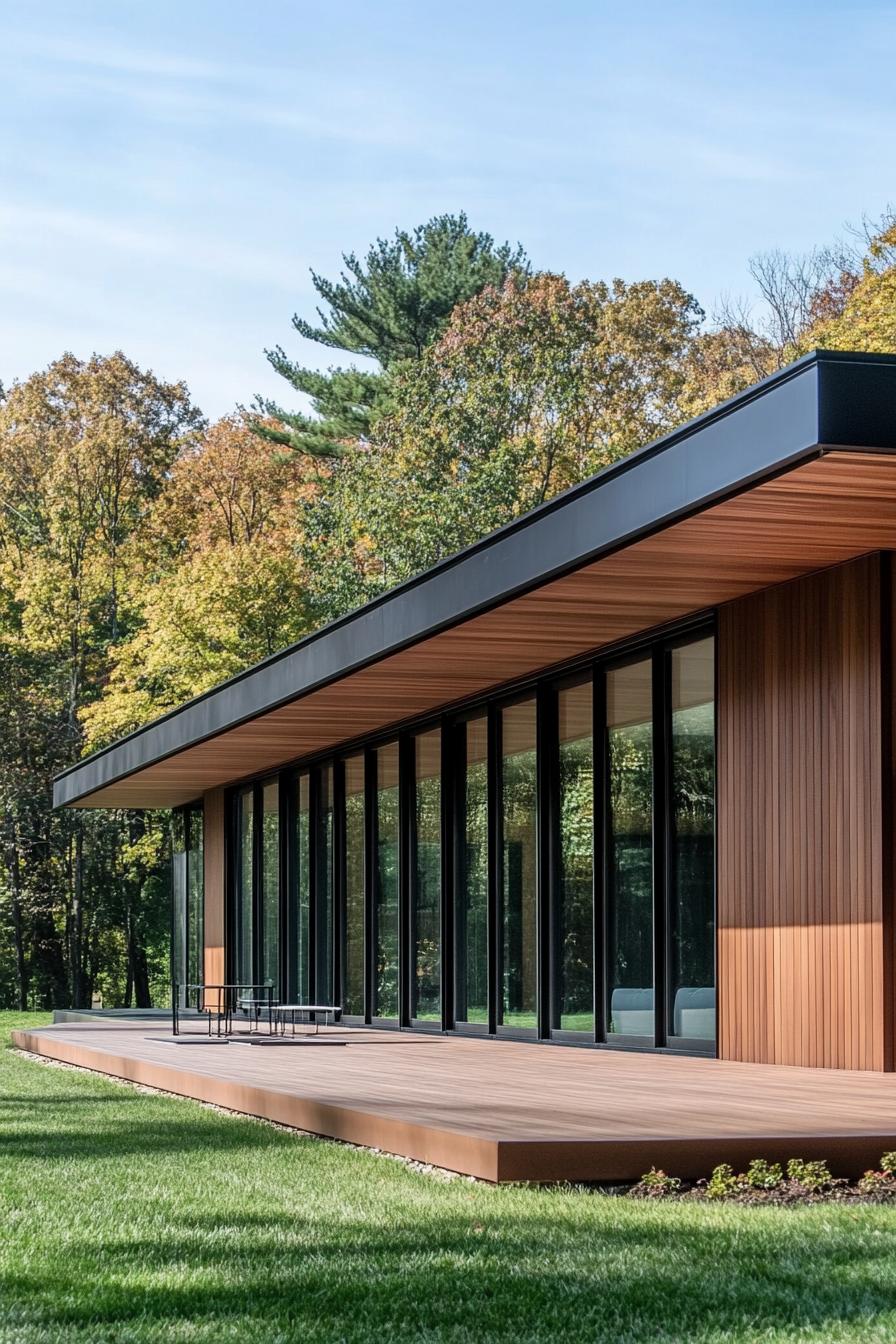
(24, 227)
(124, 60)
(185, 90)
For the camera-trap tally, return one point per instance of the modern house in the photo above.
(619, 775)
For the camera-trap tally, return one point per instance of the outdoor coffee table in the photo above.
(254, 1008)
(294, 1010)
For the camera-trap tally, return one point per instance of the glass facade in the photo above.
(692, 908)
(179, 975)
(245, 888)
(519, 868)
(325, 901)
(472, 882)
(195, 875)
(573, 913)
(426, 904)
(353, 996)
(542, 865)
(270, 885)
(386, 879)
(301, 977)
(630, 866)
(188, 895)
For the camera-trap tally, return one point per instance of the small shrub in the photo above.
(874, 1182)
(888, 1164)
(722, 1182)
(762, 1175)
(810, 1175)
(655, 1184)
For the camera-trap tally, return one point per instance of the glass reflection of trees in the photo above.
(573, 1006)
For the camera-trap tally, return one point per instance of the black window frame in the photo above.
(657, 646)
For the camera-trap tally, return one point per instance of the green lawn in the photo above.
(132, 1217)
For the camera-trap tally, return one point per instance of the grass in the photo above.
(129, 1218)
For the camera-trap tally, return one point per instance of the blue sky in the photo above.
(169, 171)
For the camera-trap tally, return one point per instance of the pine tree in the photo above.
(388, 308)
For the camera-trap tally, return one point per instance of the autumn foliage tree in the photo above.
(532, 386)
(85, 447)
(228, 587)
(838, 297)
(388, 308)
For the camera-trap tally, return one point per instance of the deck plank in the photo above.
(509, 1110)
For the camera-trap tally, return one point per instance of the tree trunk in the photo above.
(18, 933)
(14, 869)
(129, 969)
(76, 926)
(141, 979)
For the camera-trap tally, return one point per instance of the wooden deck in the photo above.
(508, 1110)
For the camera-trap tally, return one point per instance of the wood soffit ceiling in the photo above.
(821, 513)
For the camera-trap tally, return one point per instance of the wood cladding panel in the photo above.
(213, 878)
(802, 878)
(819, 514)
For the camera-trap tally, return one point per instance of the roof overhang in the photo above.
(793, 475)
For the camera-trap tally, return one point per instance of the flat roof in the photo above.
(827, 402)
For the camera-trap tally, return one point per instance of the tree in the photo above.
(867, 318)
(220, 584)
(532, 386)
(722, 362)
(839, 296)
(85, 447)
(84, 450)
(387, 308)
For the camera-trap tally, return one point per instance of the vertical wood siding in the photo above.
(803, 877)
(213, 872)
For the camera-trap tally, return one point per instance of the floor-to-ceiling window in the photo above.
(471, 873)
(188, 893)
(301, 917)
(179, 974)
(519, 867)
(426, 894)
(386, 883)
(354, 830)
(323, 991)
(580, 867)
(270, 885)
(245, 885)
(572, 924)
(630, 942)
(692, 999)
(195, 896)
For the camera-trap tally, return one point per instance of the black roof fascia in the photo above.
(826, 399)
